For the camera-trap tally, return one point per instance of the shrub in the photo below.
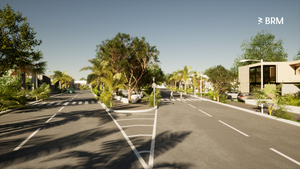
(282, 112)
(223, 99)
(189, 90)
(41, 93)
(151, 99)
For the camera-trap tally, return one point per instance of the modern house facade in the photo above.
(287, 73)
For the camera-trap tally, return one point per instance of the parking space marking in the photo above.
(285, 156)
(205, 113)
(138, 125)
(234, 129)
(135, 119)
(138, 135)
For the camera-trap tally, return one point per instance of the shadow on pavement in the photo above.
(54, 146)
(22, 127)
(117, 154)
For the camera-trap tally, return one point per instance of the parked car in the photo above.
(231, 95)
(71, 91)
(243, 97)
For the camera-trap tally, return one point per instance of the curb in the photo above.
(125, 111)
(253, 112)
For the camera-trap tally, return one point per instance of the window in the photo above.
(269, 75)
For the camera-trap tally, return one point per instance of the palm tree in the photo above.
(113, 82)
(59, 77)
(185, 74)
(99, 70)
(195, 78)
(29, 66)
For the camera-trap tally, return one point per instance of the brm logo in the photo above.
(271, 21)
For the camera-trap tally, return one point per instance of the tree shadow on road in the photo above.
(43, 148)
(117, 154)
(27, 126)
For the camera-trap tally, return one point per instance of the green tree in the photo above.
(99, 70)
(83, 78)
(113, 82)
(59, 77)
(297, 57)
(220, 78)
(185, 74)
(128, 56)
(195, 78)
(261, 46)
(17, 40)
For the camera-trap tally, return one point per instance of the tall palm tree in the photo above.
(59, 77)
(185, 74)
(113, 82)
(99, 70)
(29, 66)
(195, 78)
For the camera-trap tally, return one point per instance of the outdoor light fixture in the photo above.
(261, 74)
(153, 85)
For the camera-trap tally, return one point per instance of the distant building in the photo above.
(273, 72)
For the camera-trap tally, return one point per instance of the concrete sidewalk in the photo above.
(252, 107)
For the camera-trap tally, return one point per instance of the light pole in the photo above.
(261, 76)
(153, 85)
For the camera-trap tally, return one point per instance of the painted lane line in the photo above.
(138, 125)
(66, 103)
(50, 118)
(285, 156)
(139, 135)
(80, 102)
(74, 103)
(151, 158)
(86, 102)
(142, 161)
(192, 106)
(205, 113)
(144, 151)
(136, 119)
(60, 109)
(234, 129)
(17, 148)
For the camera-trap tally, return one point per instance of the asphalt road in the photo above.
(209, 135)
(79, 133)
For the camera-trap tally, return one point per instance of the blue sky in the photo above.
(198, 33)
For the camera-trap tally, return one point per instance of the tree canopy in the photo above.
(262, 46)
(17, 40)
(130, 56)
(220, 78)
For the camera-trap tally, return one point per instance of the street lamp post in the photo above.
(261, 76)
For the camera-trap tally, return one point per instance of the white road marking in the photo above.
(86, 102)
(178, 99)
(59, 103)
(51, 103)
(66, 103)
(136, 119)
(151, 158)
(234, 129)
(80, 102)
(17, 148)
(145, 151)
(285, 156)
(74, 103)
(41, 104)
(138, 135)
(60, 109)
(50, 118)
(205, 113)
(173, 99)
(137, 125)
(142, 161)
(192, 106)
